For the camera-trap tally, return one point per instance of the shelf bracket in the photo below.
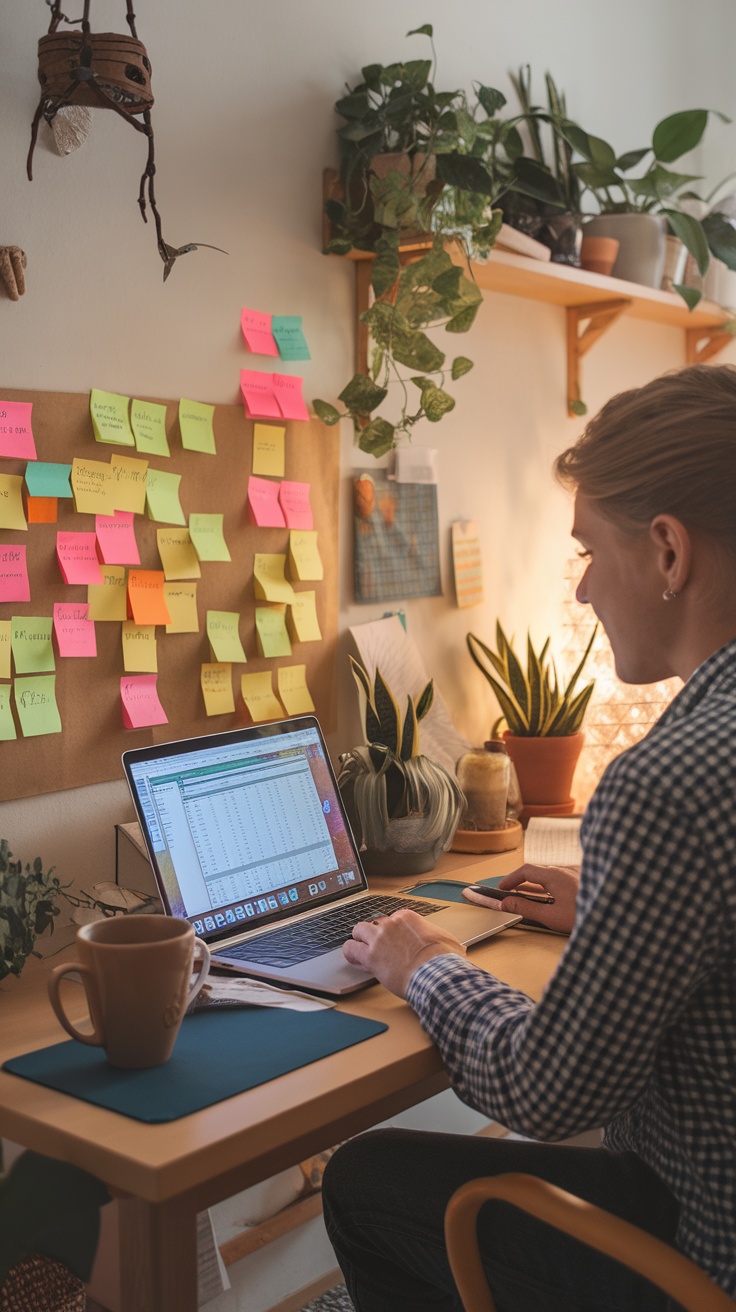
(597, 317)
(702, 344)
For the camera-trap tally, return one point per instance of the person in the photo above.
(636, 1031)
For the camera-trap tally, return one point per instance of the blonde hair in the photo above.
(666, 448)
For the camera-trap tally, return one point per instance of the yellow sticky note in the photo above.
(273, 639)
(148, 421)
(208, 537)
(35, 702)
(258, 695)
(129, 477)
(93, 487)
(181, 602)
(304, 558)
(196, 426)
(178, 557)
(302, 618)
(109, 600)
(222, 631)
(11, 502)
(293, 689)
(30, 638)
(7, 723)
(268, 450)
(6, 628)
(139, 648)
(269, 579)
(110, 417)
(217, 688)
(162, 496)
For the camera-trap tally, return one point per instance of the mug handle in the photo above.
(95, 1039)
(201, 957)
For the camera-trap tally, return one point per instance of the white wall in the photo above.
(244, 125)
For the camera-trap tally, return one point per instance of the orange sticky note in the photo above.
(146, 596)
(42, 510)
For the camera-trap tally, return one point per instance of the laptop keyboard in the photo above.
(313, 938)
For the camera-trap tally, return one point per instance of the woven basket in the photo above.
(119, 62)
(39, 1284)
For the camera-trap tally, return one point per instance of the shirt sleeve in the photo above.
(647, 934)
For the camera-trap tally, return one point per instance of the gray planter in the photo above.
(641, 250)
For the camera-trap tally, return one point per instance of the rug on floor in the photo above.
(335, 1300)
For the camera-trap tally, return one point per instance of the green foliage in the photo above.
(29, 900)
(383, 724)
(545, 176)
(533, 702)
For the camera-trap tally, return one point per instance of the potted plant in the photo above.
(543, 717)
(29, 902)
(403, 808)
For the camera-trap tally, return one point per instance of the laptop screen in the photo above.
(244, 828)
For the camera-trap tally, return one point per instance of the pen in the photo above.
(498, 894)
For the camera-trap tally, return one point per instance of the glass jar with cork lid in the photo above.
(487, 777)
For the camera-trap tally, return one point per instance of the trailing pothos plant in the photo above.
(533, 701)
(29, 902)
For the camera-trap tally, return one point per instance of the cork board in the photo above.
(89, 747)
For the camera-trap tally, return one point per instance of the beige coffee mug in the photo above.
(137, 974)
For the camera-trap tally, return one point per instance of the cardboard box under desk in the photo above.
(132, 867)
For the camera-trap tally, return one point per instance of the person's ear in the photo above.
(673, 546)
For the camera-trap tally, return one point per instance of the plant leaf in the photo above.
(721, 237)
(462, 322)
(425, 30)
(691, 234)
(465, 172)
(425, 700)
(387, 711)
(377, 438)
(326, 412)
(690, 295)
(490, 99)
(460, 365)
(678, 133)
(410, 733)
(436, 403)
(386, 266)
(362, 395)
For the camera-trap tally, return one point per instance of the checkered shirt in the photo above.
(636, 1030)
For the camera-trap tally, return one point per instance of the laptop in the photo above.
(249, 841)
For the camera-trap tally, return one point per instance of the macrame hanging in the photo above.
(103, 70)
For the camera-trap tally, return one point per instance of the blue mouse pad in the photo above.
(449, 890)
(218, 1053)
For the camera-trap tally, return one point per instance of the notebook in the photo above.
(248, 840)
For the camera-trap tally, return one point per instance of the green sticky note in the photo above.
(162, 497)
(222, 631)
(273, 639)
(7, 723)
(35, 702)
(31, 643)
(47, 480)
(208, 538)
(148, 421)
(110, 418)
(196, 426)
(292, 344)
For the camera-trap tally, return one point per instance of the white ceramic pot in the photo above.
(641, 244)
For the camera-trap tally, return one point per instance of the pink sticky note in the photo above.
(263, 503)
(257, 332)
(141, 705)
(75, 633)
(294, 498)
(16, 435)
(116, 537)
(258, 395)
(14, 585)
(288, 392)
(77, 555)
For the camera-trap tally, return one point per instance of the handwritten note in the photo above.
(467, 563)
(42, 510)
(293, 690)
(290, 339)
(44, 479)
(7, 723)
(139, 648)
(263, 503)
(269, 579)
(302, 618)
(268, 450)
(14, 585)
(108, 600)
(273, 639)
(11, 502)
(257, 332)
(258, 694)
(208, 538)
(216, 682)
(30, 637)
(110, 417)
(146, 596)
(148, 421)
(6, 629)
(116, 537)
(93, 487)
(294, 498)
(181, 603)
(16, 434)
(77, 556)
(162, 497)
(75, 631)
(258, 395)
(222, 631)
(35, 702)
(178, 557)
(288, 392)
(129, 478)
(304, 558)
(196, 425)
(140, 701)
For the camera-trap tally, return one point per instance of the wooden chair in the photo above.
(658, 1262)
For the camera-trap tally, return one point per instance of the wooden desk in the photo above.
(171, 1172)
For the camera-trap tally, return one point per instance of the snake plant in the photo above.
(533, 701)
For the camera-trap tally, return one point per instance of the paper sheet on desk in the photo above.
(553, 842)
(244, 992)
(385, 643)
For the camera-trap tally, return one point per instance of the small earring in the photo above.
(668, 595)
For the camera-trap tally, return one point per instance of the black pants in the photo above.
(385, 1195)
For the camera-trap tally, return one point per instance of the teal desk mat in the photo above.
(449, 890)
(217, 1055)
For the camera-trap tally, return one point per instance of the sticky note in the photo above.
(30, 637)
(11, 502)
(16, 434)
(222, 631)
(6, 629)
(257, 332)
(139, 648)
(148, 421)
(269, 579)
(116, 538)
(467, 563)
(35, 702)
(273, 639)
(302, 618)
(146, 596)
(196, 426)
(178, 557)
(162, 497)
(216, 681)
(14, 585)
(93, 488)
(141, 705)
(7, 723)
(42, 510)
(293, 690)
(304, 558)
(208, 538)
(77, 556)
(268, 450)
(290, 339)
(44, 479)
(181, 603)
(110, 417)
(288, 392)
(258, 694)
(263, 503)
(258, 395)
(109, 600)
(294, 498)
(75, 631)
(129, 479)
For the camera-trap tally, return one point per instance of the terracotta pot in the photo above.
(545, 767)
(598, 254)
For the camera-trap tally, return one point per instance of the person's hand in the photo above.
(561, 881)
(392, 947)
